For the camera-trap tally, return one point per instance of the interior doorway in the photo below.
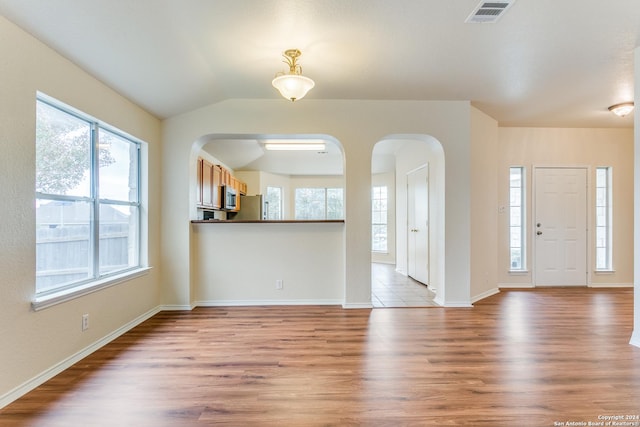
(396, 160)
(560, 227)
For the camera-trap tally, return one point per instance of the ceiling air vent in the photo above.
(489, 12)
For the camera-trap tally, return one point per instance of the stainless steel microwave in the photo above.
(229, 198)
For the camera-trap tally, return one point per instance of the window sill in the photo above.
(519, 272)
(604, 272)
(42, 302)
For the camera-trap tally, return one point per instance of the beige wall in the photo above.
(238, 264)
(484, 205)
(358, 126)
(34, 343)
(535, 147)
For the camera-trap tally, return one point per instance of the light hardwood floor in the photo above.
(519, 358)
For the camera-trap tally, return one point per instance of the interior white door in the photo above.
(560, 227)
(418, 224)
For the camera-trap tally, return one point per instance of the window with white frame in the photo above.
(319, 203)
(603, 219)
(516, 219)
(379, 219)
(87, 199)
(273, 203)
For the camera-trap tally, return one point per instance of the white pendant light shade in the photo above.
(292, 85)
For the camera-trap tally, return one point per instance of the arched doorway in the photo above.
(398, 163)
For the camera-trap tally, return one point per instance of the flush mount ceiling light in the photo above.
(294, 145)
(292, 85)
(622, 110)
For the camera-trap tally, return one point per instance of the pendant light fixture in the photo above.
(292, 85)
(622, 110)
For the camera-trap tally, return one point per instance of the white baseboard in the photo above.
(592, 285)
(611, 285)
(515, 286)
(383, 261)
(355, 306)
(177, 307)
(635, 338)
(452, 304)
(484, 295)
(237, 303)
(45, 376)
(458, 304)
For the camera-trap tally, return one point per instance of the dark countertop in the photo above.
(253, 221)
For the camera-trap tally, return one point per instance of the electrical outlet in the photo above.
(279, 284)
(85, 322)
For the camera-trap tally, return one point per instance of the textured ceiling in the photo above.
(544, 63)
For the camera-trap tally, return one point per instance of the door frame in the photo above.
(589, 218)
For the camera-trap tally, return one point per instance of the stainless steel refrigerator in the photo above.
(252, 208)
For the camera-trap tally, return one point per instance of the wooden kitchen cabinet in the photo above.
(199, 182)
(210, 178)
(207, 184)
(216, 183)
(227, 177)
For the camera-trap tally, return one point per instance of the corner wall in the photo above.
(635, 338)
(484, 205)
(35, 344)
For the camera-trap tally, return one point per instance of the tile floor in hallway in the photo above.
(392, 289)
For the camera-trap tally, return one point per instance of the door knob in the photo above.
(539, 233)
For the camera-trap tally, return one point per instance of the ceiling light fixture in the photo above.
(622, 110)
(292, 85)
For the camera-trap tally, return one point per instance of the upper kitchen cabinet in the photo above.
(210, 178)
(209, 181)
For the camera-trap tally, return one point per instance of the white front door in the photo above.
(418, 224)
(560, 227)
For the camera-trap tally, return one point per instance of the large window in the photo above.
(379, 219)
(273, 203)
(87, 199)
(516, 218)
(319, 203)
(603, 219)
